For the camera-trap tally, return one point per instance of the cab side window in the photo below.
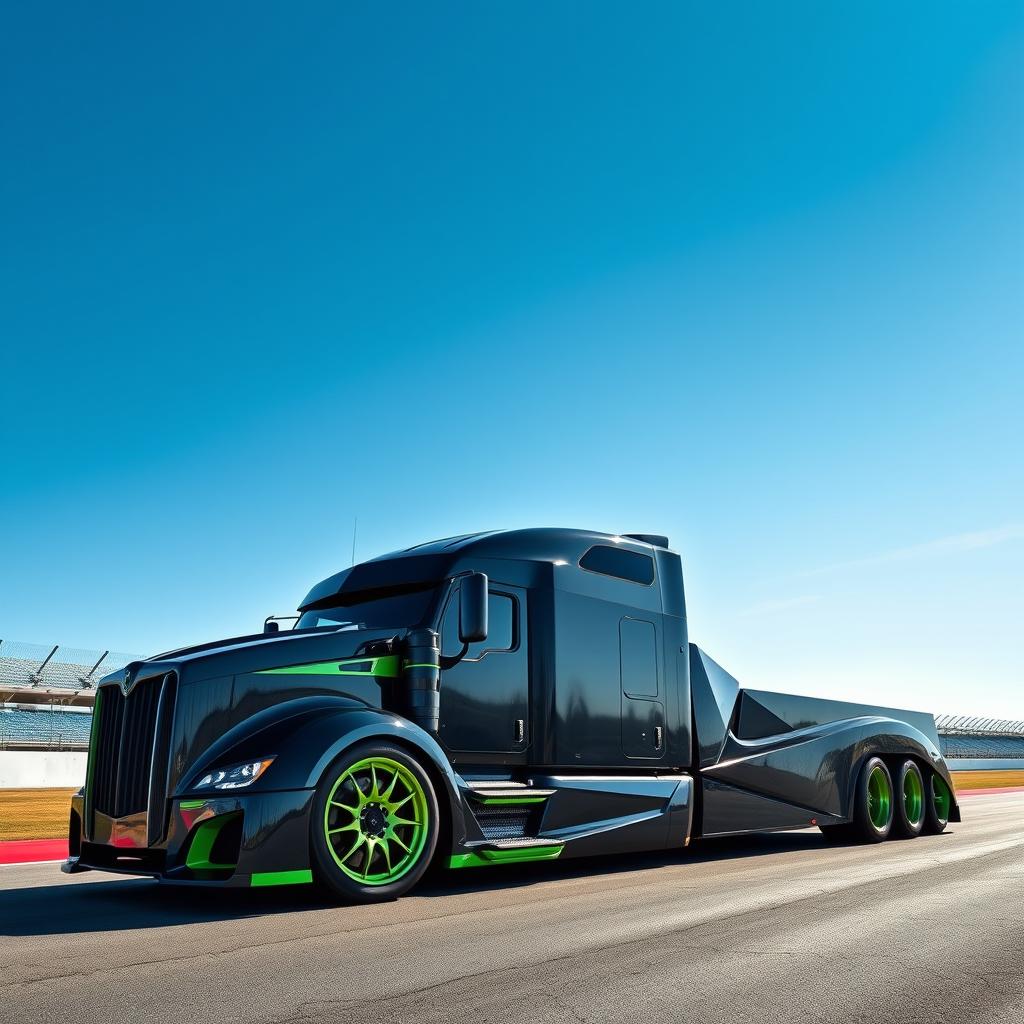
(502, 622)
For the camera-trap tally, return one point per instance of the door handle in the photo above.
(520, 730)
(659, 735)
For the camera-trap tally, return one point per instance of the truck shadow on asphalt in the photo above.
(120, 904)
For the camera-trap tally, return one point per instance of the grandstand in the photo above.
(43, 727)
(46, 693)
(965, 738)
(44, 674)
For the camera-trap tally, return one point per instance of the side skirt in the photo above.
(559, 816)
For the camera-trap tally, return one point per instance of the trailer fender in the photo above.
(816, 767)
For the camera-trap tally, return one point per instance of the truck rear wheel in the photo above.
(374, 824)
(873, 802)
(908, 818)
(938, 800)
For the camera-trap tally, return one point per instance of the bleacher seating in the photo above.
(44, 726)
(981, 745)
(24, 666)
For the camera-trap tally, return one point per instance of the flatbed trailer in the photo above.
(486, 699)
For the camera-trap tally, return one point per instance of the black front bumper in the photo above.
(271, 846)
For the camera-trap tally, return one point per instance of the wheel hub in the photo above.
(374, 820)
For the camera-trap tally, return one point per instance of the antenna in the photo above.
(355, 526)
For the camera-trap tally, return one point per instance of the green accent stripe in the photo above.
(418, 664)
(385, 666)
(301, 877)
(198, 858)
(94, 732)
(507, 801)
(483, 858)
(191, 805)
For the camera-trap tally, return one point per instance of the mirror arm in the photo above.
(452, 659)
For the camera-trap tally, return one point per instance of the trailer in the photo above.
(480, 700)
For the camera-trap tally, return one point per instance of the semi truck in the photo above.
(486, 699)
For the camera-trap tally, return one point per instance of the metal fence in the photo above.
(965, 725)
(53, 667)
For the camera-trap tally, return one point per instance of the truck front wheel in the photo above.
(873, 802)
(374, 824)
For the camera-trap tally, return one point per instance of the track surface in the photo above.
(778, 928)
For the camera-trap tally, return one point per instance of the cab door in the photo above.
(643, 707)
(485, 697)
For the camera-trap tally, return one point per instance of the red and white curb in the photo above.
(33, 851)
(990, 791)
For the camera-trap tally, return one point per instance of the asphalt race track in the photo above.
(776, 928)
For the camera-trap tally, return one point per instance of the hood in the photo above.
(259, 652)
(185, 700)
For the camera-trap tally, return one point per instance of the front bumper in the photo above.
(246, 840)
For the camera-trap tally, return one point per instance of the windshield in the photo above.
(376, 611)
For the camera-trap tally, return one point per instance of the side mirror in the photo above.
(270, 626)
(473, 608)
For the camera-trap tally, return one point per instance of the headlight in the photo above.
(236, 777)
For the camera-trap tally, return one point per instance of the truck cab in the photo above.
(585, 660)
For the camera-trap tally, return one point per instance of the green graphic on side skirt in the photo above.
(301, 877)
(385, 666)
(488, 857)
(376, 821)
(507, 801)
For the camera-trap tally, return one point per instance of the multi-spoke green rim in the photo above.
(879, 798)
(941, 798)
(376, 820)
(913, 797)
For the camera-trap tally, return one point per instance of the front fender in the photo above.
(305, 736)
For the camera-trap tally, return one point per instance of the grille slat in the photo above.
(124, 748)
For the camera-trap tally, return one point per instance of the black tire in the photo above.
(873, 803)
(354, 807)
(910, 801)
(937, 804)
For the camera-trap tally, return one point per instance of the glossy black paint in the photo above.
(596, 700)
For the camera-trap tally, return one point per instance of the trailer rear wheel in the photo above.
(373, 828)
(908, 819)
(873, 802)
(938, 801)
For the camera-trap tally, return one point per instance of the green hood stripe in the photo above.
(385, 666)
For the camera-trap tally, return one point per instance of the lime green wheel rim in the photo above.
(879, 798)
(941, 798)
(376, 821)
(913, 798)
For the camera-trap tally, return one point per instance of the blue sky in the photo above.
(752, 278)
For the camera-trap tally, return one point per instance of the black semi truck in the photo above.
(491, 698)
